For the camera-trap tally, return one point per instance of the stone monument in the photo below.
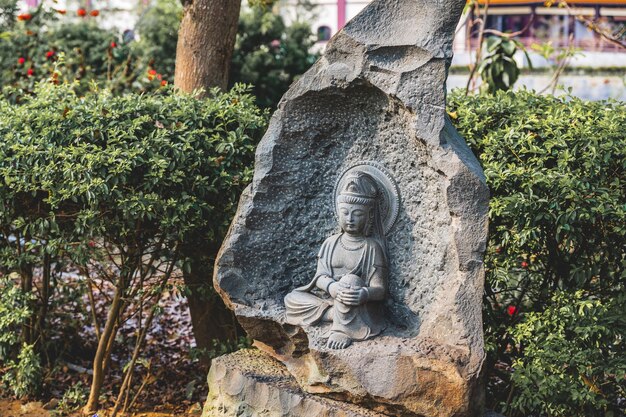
(355, 258)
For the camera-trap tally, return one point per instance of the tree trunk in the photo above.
(103, 352)
(210, 318)
(206, 39)
(28, 326)
(45, 303)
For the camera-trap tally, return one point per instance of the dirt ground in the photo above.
(9, 408)
(168, 381)
(13, 408)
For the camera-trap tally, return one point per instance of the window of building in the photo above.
(323, 33)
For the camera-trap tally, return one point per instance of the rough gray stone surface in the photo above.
(377, 94)
(251, 384)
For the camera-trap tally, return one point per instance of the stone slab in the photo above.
(249, 383)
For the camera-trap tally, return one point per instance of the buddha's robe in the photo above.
(307, 305)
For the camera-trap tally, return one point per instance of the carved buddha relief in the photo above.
(351, 280)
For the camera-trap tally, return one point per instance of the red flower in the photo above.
(91, 244)
(113, 45)
(152, 72)
(511, 310)
(49, 54)
(163, 83)
(94, 13)
(159, 77)
(24, 16)
(524, 264)
(30, 72)
(21, 60)
(81, 12)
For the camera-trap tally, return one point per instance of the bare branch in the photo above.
(593, 25)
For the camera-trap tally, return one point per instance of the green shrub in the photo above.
(270, 55)
(118, 185)
(158, 32)
(557, 172)
(497, 68)
(47, 45)
(23, 377)
(20, 370)
(171, 162)
(14, 312)
(73, 398)
(574, 360)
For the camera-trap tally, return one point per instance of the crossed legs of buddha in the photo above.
(304, 308)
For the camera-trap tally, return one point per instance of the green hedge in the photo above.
(117, 179)
(556, 259)
(169, 162)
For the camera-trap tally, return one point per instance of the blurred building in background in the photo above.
(120, 14)
(561, 27)
(537, 24)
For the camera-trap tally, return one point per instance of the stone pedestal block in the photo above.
(251, 384)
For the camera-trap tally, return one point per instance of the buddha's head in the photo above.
(355, 204)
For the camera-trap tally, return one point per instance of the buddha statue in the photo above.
(352, 269)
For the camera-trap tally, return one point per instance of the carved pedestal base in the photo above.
(249, 383)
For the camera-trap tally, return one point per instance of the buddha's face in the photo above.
(353, 218)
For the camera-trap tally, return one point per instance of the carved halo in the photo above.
(390, 194)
